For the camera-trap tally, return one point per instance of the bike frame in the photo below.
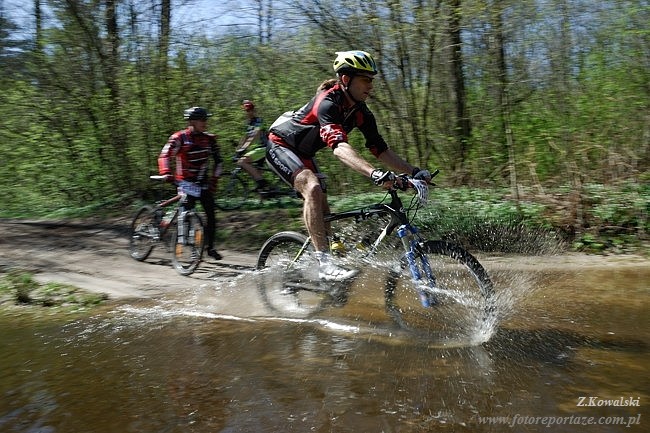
(175, 212)
(437, 268)
(400, 224)
(147, 229)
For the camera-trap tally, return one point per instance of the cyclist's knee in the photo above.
(308, 184)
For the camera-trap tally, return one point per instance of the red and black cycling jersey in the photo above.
(325, 121)
(191, 152)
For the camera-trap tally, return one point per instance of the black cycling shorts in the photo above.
(286, 164)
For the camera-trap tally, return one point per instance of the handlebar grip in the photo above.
(163, 178)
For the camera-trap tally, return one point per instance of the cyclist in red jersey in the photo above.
(325, 121)
(191, 149)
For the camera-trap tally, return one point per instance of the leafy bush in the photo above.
(478, 219)
(486, 221)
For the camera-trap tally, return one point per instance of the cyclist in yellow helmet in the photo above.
(325, 121)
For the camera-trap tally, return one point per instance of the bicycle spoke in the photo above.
(289, 283)
(144, 234)
(460, 295)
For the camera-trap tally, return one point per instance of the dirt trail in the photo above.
(93, 255)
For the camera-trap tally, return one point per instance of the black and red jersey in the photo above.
(191, 152)
(325, 121)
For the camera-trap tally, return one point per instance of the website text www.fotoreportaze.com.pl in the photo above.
(582, 420)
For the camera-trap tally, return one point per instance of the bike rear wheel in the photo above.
(143, 234)
(462, 293)
(231, 193)
(288, 279)
(187, 244)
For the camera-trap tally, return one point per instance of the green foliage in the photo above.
(18, 286)
(488, 221)
(479, 219)
(81, 132)
(621, 210)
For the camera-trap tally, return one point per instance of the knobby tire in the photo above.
(142, 233)
(464, 291)
(287, 286)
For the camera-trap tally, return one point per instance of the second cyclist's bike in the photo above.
(422, 276)
(236, 187)
(180, 231)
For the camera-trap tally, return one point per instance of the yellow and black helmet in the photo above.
(352, 62)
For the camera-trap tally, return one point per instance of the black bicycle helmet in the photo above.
(196, 113)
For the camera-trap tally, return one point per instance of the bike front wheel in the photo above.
(143, 233)
(288, 276)
(231, 193)
(187, 244)
(454, 283)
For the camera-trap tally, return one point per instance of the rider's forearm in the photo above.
(392, 160)
(348, 156)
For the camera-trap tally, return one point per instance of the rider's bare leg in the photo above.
(246, 163)
(314, 207)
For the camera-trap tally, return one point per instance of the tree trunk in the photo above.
(502, 99)
(463, 128)
(165, 20)
(118, 137)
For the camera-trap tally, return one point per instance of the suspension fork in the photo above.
(413, 250)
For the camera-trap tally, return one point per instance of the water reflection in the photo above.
(209, 360)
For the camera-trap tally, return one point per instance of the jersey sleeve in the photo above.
(367, 124)
(330, 119)
(167, 153)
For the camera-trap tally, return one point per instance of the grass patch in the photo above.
(20, 288)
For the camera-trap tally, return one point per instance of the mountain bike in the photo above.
(161, 223)
(235, 188)
(421, 276)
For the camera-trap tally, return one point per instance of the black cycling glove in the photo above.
(380, 176)
(421, 174)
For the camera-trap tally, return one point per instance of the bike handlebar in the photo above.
(421, 186)
(407, 179)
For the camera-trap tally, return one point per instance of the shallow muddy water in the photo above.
(569, 353)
